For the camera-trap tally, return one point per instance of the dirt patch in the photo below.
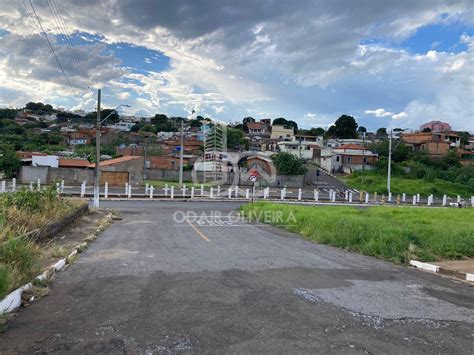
(67, 240)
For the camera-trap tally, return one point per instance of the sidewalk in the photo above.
(460, 269)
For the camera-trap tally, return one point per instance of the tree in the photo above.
(284, 122)
(9, 162)
(288, 164)
(381, 133)
(235, 138)
(246, 121)
(345, 127)
(362, 129)
(400, 151)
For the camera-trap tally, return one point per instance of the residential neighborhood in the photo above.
(236, 177)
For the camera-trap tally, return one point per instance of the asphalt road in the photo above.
(158, 282)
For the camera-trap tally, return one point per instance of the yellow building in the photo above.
(283, 133)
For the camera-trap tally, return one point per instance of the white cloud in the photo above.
(310, 115)
(399, 115)
(380, 112)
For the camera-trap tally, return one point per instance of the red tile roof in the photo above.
(73, 163)
(115, 161)
(255, 125)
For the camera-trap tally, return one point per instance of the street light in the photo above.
(97, 149)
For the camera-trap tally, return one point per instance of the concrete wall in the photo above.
(71, 176)
(33, 173)
(230, 178)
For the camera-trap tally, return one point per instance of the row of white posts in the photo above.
(232, 191)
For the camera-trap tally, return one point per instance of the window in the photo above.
(365, 160)
(349, 160)
(337, 158)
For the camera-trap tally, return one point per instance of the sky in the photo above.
(386, 63)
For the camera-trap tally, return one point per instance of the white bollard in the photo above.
(192, 192)
(229, 193)
(445, 200)
(350, 197)
(151, 189)
(146, 188)
(429, 200)
(106, 189)
(367, 196)
(13, 184)
(414, 200)
(184, 191)
(267, 195)
(346, 195)
(247, 194)
(219, 191)
(172, 192)
(31, 186)
(83, 189)
(330, 195)
(417, 198)
(202, 190)
(236, 191)
(404, 197)
(389, 197)
(459, 199)
(472, 201)
(211, 192)
(166, 190)
(58, 188)
(126, 188)
(334, 196)
(282, 194)
(299, 194)
(38, 184)
(316, 195)
(3, 187)
(129, 194)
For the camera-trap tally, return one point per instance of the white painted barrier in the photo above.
(106, 190)
(350, 197)
(192, 192)
(247, 194)
(282, 194)
(219, 191)
(4, 187)
(316, 195)
(236, 191)
(445, 200)
(151, 189)
(211, 192)
(184, 191)
(367, 196)
(404, 197)
(129, 194)
(13, 184)
(414, 200)
(202, 190)
(229, 193)
(126, 188)
(299, 194)
(166, 190)
(172, 192)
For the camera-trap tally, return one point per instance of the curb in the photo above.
(464, 276)
(12, 301)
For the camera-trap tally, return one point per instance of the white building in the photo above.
(301, 149)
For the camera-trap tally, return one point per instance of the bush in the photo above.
(288, 164)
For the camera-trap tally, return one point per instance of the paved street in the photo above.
(154, 283)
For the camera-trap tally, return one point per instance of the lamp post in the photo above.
(97, 148)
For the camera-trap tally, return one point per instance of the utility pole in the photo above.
(97, 154)
(181, 152)
(389, 170)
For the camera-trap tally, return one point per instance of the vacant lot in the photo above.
(397, 234)
(373, 182)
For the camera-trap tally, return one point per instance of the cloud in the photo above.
(275, 57)
(380, 112)
(399, 115)
(310, 115)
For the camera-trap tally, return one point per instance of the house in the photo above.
(347, 158)
(260, 129)
(436, 126)
(121, 170)
(301, 149)
(282, 133)
(350, 157)
(122, 125)
(437, 144)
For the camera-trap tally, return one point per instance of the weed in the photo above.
(392, 233)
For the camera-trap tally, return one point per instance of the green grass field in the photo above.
(372, 182)
(397, 234)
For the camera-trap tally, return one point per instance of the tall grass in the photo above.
(397, 234)
(20, 213)
(374, 182)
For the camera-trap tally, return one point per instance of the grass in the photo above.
(397, 234)
(22, 212)
(162, 183)
(373, 182)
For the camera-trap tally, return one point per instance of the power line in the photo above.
(49, 44)
(59, 19)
